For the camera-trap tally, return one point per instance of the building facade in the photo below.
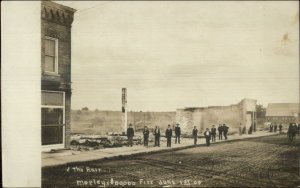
(56, 23)
(283, 113)
(243, 113)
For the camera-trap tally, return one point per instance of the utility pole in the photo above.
(144, 120)
(124, 109)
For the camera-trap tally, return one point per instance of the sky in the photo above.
(172, 55)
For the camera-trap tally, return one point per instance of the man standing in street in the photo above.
(244, 130)
(225, 130)
(169, 135)
(213, 133)
(157, 136)
(207, 135)
(146, 136)
(220, 130)
(130, 134)
(275, 127)
(195, 135)
(177, 134)
(240, 130)
(280, 128)
(271, 127)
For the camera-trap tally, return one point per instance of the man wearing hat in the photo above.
(220, 130)
(146, 136)
(225, 131)
(177, 134)
(130, 134)
(213, 133)
(195, 135)
(157, 136)
(169, 135)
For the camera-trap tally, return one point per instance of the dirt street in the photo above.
(268, 161)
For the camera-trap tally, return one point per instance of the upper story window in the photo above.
(51, 59)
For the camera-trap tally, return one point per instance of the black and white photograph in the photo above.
(150, 94)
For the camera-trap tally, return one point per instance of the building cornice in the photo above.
(57, 13)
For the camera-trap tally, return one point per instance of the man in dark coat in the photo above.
(157, 136)
(244, 130)
(280, 128)
(207, 135)
(298, 129)
(169, 135)
(271, 127)
(146, 136)
(177, 134)
(275, 127)
(195, 135)
(213, 133)
(295, 129)
(250, 129)
(130, 134)
(220, 130)
(225, 131)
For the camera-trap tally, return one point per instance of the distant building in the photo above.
(56, 22)
(284, 113)
(204, 117)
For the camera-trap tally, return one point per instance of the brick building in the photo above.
(56, 22)
(204, 117)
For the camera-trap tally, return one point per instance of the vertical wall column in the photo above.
(68, 119)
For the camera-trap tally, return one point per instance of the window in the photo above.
(51, 62)
(53, 117)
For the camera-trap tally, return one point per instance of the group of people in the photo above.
(209, 134)
(273, 127)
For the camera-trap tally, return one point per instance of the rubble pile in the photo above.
(92, 142)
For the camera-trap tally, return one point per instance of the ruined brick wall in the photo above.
(230, 115)
(198, 119)
(233, 116)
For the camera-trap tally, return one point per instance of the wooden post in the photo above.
(124, 109)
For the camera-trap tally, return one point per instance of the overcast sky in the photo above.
(172, 55)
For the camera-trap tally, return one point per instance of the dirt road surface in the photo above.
(260, 162)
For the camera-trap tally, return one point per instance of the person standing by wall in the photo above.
(207, 135)
(169, 135)
(157, 136)
(244, 130)
(250, 129)
(195, 135)
(177, 134)
(213, 133)
(240, 130)
(225, 130)
(220, 130)
(130, 134)
(146, 136)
